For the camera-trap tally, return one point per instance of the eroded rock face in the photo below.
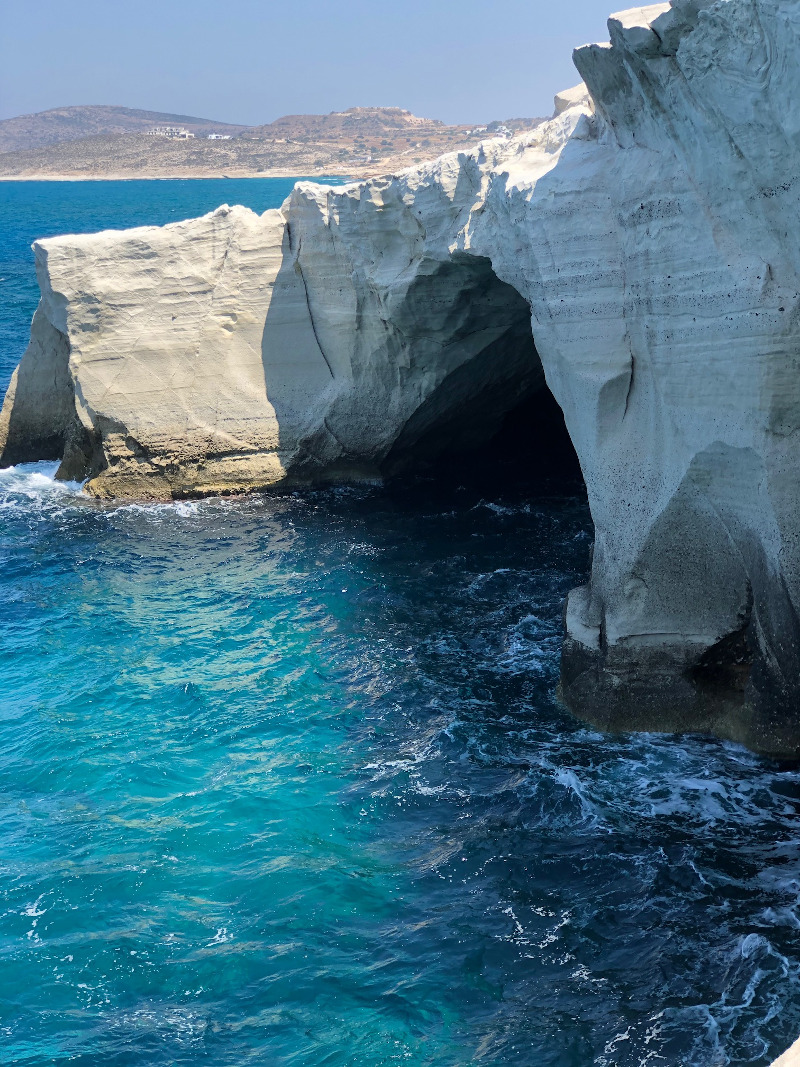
(690, 453)
(640, 251)
(158, 333)
(234, 351)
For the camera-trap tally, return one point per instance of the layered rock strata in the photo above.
(639, 252)
(236, 351)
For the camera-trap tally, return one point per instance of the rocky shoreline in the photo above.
(619, 255)
(635, 255)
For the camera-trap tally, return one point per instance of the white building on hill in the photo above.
(170, 131)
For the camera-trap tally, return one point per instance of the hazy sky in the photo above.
(250, 62)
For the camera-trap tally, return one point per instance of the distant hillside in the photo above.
(74, 123)
(364, 121)
(357, 142)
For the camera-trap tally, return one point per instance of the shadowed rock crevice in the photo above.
(530, 452)
(725, 668)
(482, 329)
(400, 372)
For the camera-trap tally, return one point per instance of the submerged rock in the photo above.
(639, 252)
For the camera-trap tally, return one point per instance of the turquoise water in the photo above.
(284, 781)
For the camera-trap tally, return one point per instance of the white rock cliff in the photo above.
(640, 252)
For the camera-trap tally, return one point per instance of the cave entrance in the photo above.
(492, 421)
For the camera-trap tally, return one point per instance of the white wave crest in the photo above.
(36, 483)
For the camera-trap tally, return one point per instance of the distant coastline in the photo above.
(118, 144)
(178, 177)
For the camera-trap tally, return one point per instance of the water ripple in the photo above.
(285, 779)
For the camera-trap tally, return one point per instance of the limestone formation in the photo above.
(234, 351)
(639, 252)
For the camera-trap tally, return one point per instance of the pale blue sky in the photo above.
(250, 62)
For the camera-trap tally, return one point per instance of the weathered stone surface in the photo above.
(159, 335)
(39, 407)
(690, 619)
(650, 238)
(235, 351)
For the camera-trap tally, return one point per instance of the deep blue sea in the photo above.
(283, 780)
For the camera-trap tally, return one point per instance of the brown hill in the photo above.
(365, 121)
(74, 123)
(358, 142)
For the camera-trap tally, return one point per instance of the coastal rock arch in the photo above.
(491, 408)
(424, 363)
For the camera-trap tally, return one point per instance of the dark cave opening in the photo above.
(530, 453)
(491, 422)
